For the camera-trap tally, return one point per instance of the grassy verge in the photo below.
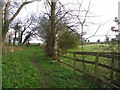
(19, 71)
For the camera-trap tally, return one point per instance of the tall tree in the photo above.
(50, 46)
(0, 21)
(53, 32)
(64, 15)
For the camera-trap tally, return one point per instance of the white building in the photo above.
(118, 37)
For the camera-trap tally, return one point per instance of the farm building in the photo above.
(118, 37)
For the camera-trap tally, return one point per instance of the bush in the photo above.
(69, 41)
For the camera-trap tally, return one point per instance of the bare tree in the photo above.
(0, 21)
(16, 29)
(25, 27)
(61, 14)
(7, 18)
(51, 33)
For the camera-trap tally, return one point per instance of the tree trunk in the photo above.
(47, 47)
(14, 40)
(5, 30)
(27, 38)
(0, 25)
(51, 35)
(21, 38)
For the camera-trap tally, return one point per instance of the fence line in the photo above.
(110, 55)
(7, 49)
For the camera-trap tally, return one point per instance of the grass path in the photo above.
(41, 73)
(31, 68)
(54, 75)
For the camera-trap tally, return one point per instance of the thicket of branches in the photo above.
(56, 22)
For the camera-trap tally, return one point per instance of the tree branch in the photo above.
(19, 9)
(6, 10)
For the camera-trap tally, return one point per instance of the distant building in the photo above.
(118, 37)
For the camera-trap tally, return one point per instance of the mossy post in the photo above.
(84, 65)
(118, 75)
(96, 67)
(112, 65)
(119, 42)
(59, 52)
(0, 45)
(74, 62)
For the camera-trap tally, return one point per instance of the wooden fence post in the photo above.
(112, 72)
(119, 62)
(84, 66)
(74, 62)
(59, 52)
(59, 55)
(96, 67)
(118, 75)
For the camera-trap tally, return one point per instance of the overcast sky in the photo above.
(106, 10)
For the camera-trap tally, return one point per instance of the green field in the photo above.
(95, 48)
(30, 68)
(103, 73)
